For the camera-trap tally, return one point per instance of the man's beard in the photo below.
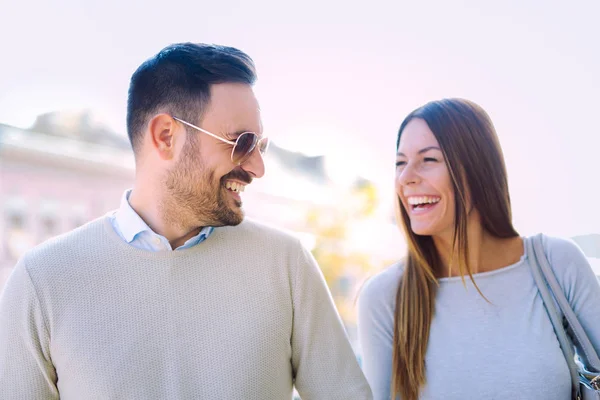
(194, 198)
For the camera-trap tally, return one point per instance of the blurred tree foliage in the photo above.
(343, 266)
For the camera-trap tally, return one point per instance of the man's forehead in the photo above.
(234, 107)
(238, 123)
(236, 95)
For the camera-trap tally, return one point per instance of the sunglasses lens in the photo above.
(263, 146)
(243, 147)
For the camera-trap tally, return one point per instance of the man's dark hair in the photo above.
(177, 80)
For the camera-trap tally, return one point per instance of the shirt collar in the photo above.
(130, 223)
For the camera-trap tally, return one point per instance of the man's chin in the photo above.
(231, 211)
(239, 216)
(234, 216)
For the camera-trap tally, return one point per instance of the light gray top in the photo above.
(245, 314)
(477, 350)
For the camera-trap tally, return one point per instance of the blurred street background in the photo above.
(335, 81)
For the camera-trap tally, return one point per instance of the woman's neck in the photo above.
(485, 251)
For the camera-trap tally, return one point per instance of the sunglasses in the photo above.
(243, 146)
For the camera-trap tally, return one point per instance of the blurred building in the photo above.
(54, 177)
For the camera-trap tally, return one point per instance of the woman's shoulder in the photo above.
(568, 262)
(564, 255)
(381, 288)
(561, 249)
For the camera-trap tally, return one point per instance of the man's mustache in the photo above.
(239, 175)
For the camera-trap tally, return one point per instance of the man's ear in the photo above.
(162, 129)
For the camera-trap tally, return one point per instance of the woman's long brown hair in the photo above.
(475, 161)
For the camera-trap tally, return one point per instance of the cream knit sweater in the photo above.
(244, 315)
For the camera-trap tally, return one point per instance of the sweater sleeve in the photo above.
(26, 370)
(581, 286)
(323, 361)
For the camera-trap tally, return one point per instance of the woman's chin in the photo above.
(426, 230)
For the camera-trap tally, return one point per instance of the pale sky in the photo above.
(343, 73)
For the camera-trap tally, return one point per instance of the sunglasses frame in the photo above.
(234, 144)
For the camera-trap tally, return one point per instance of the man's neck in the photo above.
(147, 204)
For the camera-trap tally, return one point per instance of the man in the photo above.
(175, 295)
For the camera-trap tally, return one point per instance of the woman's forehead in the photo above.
(415, 137)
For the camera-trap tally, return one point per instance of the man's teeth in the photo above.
(234, 186)
(413, 201)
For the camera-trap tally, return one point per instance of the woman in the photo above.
(461, 317)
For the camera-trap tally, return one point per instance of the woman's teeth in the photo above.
(420, 200)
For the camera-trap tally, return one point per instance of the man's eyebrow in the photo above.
(424, 150)
(237, 133)
(234, 134)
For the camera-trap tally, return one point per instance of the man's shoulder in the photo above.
(256, 231)
(65, 247)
